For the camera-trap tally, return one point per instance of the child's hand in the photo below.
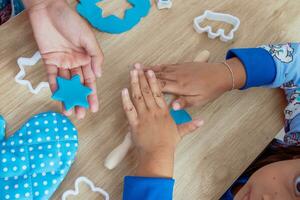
(67, 44)
(198, 83)
(154, 132)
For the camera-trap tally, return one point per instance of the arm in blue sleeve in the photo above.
(270, 65)
(144, 188)
(259, 66)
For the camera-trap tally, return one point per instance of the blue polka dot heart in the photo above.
(36, 158)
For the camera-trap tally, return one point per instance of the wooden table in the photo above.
(238, 125)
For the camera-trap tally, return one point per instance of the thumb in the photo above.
(185, 101)
(189, 127)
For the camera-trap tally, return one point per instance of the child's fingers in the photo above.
(184, 102)
(137, 96)
(169, 86)
(145, 88)
(189, 127)
(65, 73)
(90, 81)
(129, 107)
(156, 91)
(170, 76)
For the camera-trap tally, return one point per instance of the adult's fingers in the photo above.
(90, 81)
(145, 88)
(129, 108)
(90, 44)
(66, 60)
(52, 72)
(79, 111)
(189, 127)
(186, 101)
(156, 91)
(65, 73)
(137, 96)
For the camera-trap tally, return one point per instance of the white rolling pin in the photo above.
(119, 153)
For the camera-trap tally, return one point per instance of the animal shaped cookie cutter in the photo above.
(29, 62)
(89, 183)
(163, 4)
(112, 24)
(221, 17)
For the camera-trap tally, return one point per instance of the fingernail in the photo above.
(199, 122)
(125, 92)
(137, 66)
(99, 73)
(151, 73)
(176, 106)
(134, 73)
(68, 113)
(80, 116)
(94, 109)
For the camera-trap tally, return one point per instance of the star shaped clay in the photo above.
(72, 92)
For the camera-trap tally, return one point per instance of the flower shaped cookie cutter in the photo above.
(221, 17)
(28, 62)
(112, 24)
(89, 183)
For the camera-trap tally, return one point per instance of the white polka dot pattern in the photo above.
(35, 160)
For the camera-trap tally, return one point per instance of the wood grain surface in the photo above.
(237, 127)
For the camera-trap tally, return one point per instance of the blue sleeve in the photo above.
(270, 65)
(276, 66)
(257, 62)
(144, 188)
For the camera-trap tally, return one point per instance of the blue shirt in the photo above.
(270, 66)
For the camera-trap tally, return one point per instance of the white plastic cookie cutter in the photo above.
(28, 62)
(221, 17)
(163, 4)
(85, 180)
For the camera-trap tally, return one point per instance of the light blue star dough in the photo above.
(72, 92)
(37, 157)
(180, 116)
(112, 24)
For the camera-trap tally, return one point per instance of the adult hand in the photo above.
(67, 45)
(154, 132)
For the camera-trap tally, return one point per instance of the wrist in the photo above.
(239, 73)
(233, 74)
(156, 164)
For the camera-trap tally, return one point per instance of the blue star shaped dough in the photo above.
(71, 92)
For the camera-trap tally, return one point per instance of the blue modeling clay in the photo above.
(180, 116)
(72, 92)
(112, 24)
(37, 157)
